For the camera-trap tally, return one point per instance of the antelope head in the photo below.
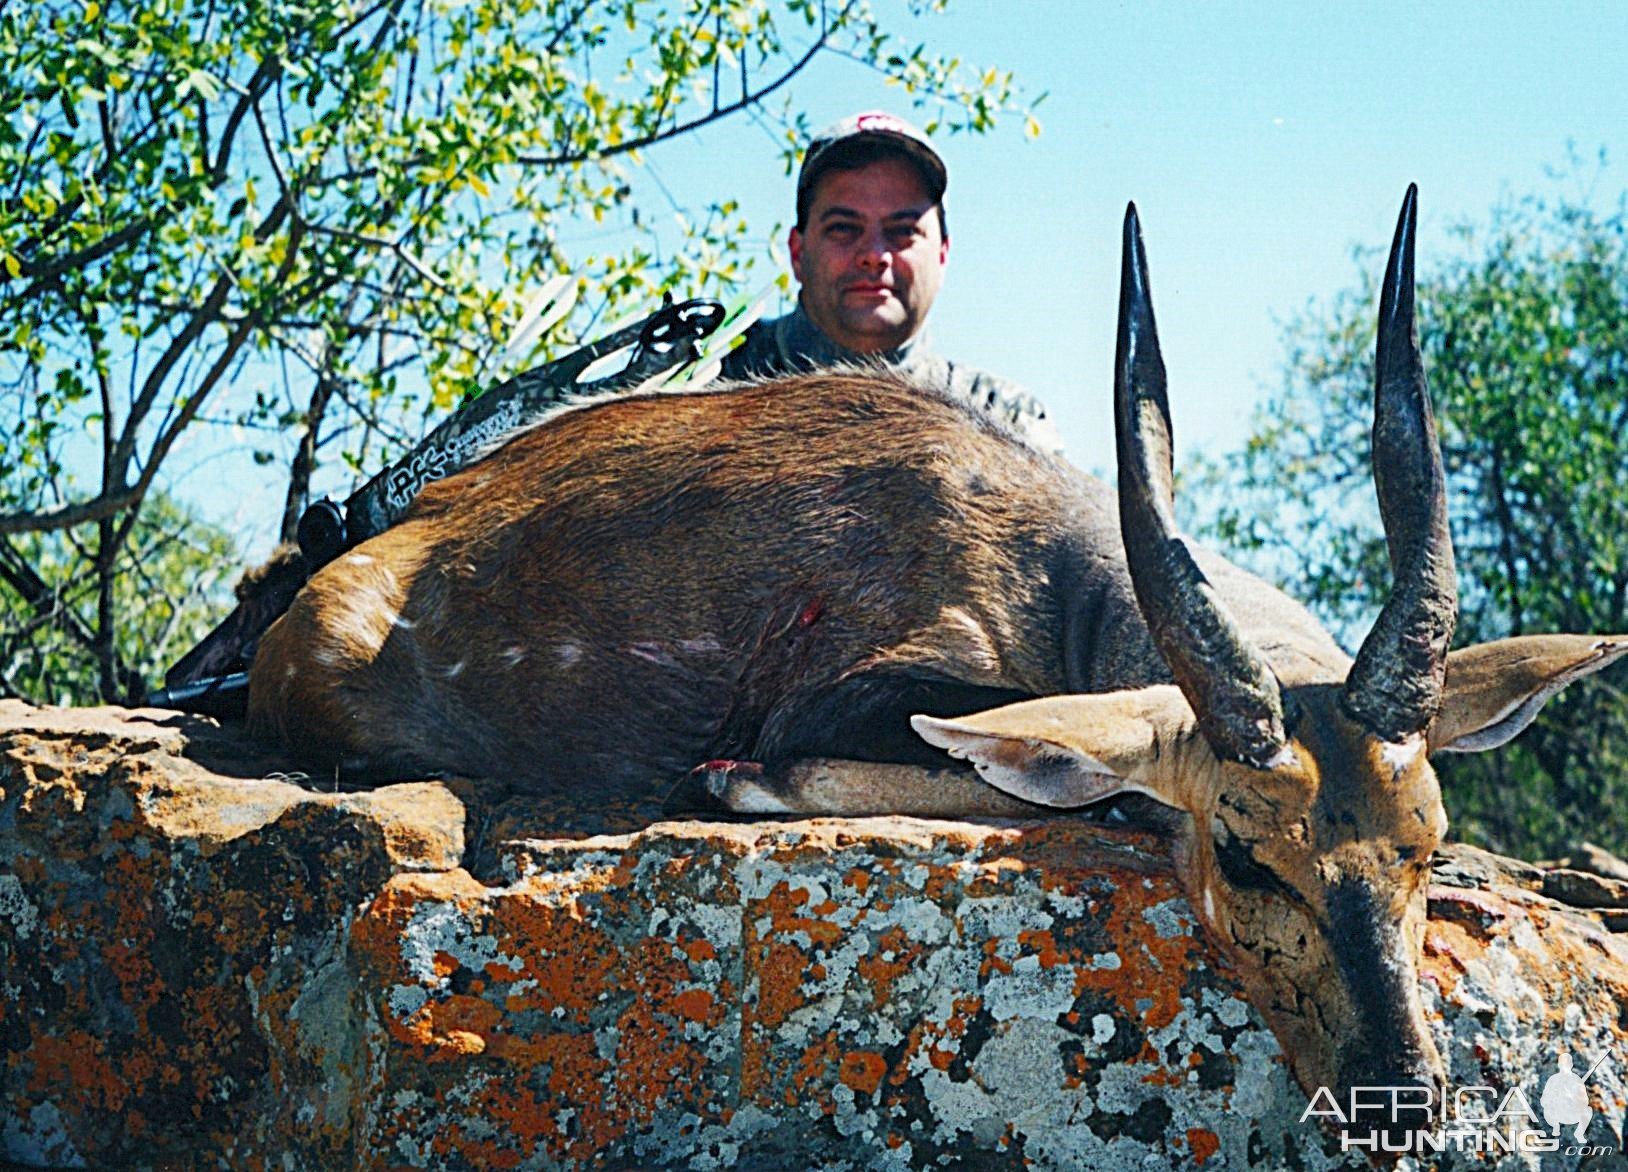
(1312, 809)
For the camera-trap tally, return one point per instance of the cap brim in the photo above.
(926, 159)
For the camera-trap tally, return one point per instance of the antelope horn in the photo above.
(1232, 691)
(1394, 688)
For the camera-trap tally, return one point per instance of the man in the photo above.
(868, 252)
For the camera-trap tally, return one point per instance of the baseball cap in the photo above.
(838, 142)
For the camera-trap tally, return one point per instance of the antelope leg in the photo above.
(825, 785)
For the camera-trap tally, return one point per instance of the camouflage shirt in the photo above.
(785, 345)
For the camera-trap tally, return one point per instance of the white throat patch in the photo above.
(1400, 754)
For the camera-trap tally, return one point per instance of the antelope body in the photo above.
(823, 585)
(773, 573)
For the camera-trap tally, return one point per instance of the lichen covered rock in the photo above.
(203, 967)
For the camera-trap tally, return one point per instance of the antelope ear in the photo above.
(1494, 690)
(1071, 750)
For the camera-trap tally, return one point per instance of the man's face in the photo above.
(871, 256)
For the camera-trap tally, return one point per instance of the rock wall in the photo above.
(203, 964)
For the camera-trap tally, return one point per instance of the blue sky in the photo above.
(1260, 143)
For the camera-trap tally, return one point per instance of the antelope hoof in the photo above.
(718, 787)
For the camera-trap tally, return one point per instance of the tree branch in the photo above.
(113, 501)
(51, 608)
(267, 72)
(195, 401)
(305, 456)
(206, 315)
(45, 273)
(104, 505)
(401, 250)
(716, 114)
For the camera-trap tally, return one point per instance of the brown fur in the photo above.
(255, 578)
(640, 585)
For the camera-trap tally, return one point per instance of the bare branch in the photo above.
(271, 156)
(195, 401)
(681, 128)
(267, 72)
(45, 273)
(394, 246)
(96, 509)
(206, 314)
(305, 456)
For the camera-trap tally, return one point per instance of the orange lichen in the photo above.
(76, 1061)
(1147, 960)
(501, 971)
(780, 968)
(785, 907)
(993, 872)
(564, 1020)
(459, 1043)
(527, 1114)
(992, 962)
(941, 882)
(654, 1065)
(813, 1066)
(694, 1005)
(862, 1070)
(1043, 945)
(891, 956)
(456, 1026)
(1202, 1143)
(698, 950)
(131, 965)
(923, 1039)
(377, 933)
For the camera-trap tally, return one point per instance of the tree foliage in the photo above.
(159, 596)
(315, 223)
(1525, 338)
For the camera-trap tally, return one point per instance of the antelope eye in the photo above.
(1237, 862)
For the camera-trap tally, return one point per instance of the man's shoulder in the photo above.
(1001, 397)
(964, 381)
(757, 355)
(768, 349)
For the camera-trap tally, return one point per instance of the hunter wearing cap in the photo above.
(868, 251)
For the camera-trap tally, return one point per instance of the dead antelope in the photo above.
(794, 575)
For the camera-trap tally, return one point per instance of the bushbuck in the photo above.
(823, 585)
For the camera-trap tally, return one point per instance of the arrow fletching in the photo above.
(552, 302)
(608, 365)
